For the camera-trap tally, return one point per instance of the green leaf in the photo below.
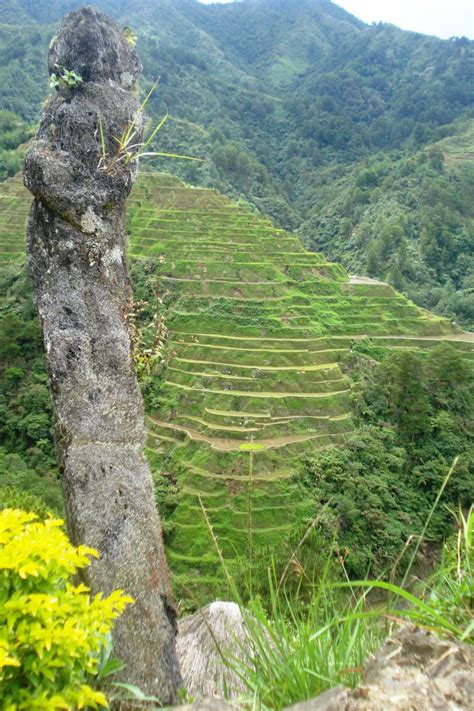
(135, 692)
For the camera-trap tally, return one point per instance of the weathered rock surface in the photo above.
(208, 705)
(76, 245)
(331, 700)
(215, 630)
(414, 671)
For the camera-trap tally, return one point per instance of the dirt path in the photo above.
(270, 368)
(256, 394)
(232, 445)
(464, 337)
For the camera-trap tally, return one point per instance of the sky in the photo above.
(444, 18)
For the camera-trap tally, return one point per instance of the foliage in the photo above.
(14, 132)
(414, 415)
(443, 603)
(36, 490)
(130, 36)
(450, 590)
(405, 218)
(64, 79)
(27, 457)
(51, 630)
(12, 498)
(147, 326)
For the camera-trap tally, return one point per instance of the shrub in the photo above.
(12, 498)
(51, 631)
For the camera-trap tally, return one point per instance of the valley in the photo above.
(253, 332)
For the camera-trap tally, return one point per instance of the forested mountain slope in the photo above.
(407, 218)
(282, 98)
(258, 359)
(302, 62)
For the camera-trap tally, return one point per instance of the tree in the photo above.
(402, 387)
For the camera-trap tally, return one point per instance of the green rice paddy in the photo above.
(257, 327)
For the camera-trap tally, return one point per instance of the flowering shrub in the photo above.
(51, 631)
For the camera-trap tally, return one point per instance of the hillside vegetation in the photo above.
(257, 358)
(295, 307)
(407, 219)
(318, 120)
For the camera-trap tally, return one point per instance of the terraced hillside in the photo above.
(256, 327)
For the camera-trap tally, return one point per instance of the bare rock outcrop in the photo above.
(414, 671)
(76, 245)
(207, 705)
(215, 631)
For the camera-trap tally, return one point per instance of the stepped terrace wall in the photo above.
(252, 384)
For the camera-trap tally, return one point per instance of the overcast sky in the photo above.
(444, 18)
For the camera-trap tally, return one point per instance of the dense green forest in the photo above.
(406, 217)
(322, 122)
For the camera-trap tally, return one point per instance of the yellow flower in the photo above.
(51, 630)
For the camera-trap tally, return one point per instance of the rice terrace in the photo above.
(256, 327)
(236, 355)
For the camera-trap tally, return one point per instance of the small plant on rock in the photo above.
(131, 36)
(64, 79)
(129, 150)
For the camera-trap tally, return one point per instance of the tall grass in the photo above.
(295, 652)
(302, 643)
(444, 603)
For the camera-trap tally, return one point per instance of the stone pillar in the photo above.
(76, 257)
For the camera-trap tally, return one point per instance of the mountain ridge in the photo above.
(277, 100)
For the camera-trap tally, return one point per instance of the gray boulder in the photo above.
(204, 638)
